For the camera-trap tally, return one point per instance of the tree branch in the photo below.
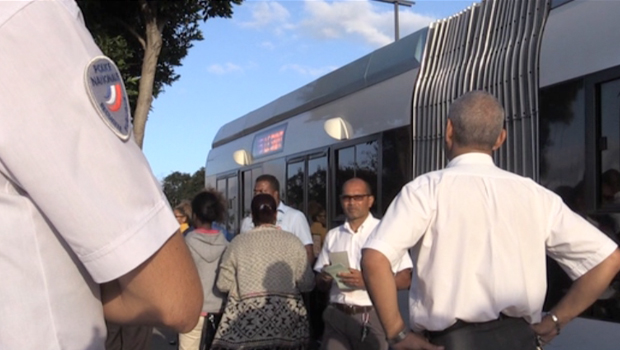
(133, 32)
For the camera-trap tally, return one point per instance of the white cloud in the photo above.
(306, 70)
(359, 20)
(221, 69)
(267, 13)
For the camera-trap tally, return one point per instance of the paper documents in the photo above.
(339, 263)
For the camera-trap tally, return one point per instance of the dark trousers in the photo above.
(128, 337)
(344, 332)
(506, 333)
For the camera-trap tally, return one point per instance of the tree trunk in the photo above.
(152, 50)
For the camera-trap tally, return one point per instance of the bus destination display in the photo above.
(269, 141)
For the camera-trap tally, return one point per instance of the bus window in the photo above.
(233, 202)
(366, 159)
(221, 185)
(562, 140)
(247, 191)
(609, 168)
(563, 159)
(295, 184)
(317, 201)
(396, 168)
(306, 190)
(229, 188)
(607, 307)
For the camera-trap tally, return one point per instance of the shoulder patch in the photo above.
(106, 90)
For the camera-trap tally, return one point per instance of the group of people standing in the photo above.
(468, 241)
(252, 286)
(266, 273)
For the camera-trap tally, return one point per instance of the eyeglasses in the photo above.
(355, 197)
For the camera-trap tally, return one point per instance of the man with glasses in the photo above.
(350, 320)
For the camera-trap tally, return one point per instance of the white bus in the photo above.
(554, 65)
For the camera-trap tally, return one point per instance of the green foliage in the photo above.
(179, 186)
(119, 29)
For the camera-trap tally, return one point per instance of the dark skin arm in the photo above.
(165, 290)
(583, 293)
(382, 286)
(310, 253)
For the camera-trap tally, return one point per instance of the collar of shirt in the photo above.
(347, 228)
(283, 208)
(472, 158)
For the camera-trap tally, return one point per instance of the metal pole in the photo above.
(396, 4)
(396, 34)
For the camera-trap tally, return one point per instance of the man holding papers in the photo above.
(350, 320)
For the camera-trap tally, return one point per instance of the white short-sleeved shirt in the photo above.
(290, 220)
(343, 239)
(78, 205)
(480, 235)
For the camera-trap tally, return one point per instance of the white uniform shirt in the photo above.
(343, 239)
(290, 220)
(78, 206)
(482, 235)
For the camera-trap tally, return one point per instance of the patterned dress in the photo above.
(264, 271)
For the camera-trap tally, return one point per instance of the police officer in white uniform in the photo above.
(86, 232)
(289, 219)
(481, 234)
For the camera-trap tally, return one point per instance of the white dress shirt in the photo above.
(480, 235)
(290, 220)
(343, 239)
(78, 205)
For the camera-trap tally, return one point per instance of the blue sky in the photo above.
(266, 50)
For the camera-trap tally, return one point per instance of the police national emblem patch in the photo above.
(107, 93)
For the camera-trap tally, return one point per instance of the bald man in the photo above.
(479, 279)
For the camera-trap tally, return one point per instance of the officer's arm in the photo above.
(164, 290)
(381, 286)
(309, 253)
(403, 279)
(583, 293)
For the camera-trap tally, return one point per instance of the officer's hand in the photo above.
(545, 330)
(415, 341)
(352, 278)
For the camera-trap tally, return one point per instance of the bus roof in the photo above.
(382, 64)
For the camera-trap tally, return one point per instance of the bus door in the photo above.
(248, 179)
(306, 191)
(228, 185)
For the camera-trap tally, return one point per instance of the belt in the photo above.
(351, 309)
(462, 324)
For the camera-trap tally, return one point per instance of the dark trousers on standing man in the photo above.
(505, 333)
(344, 327)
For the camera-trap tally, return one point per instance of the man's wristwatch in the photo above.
(398, 337)
(556, 321)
